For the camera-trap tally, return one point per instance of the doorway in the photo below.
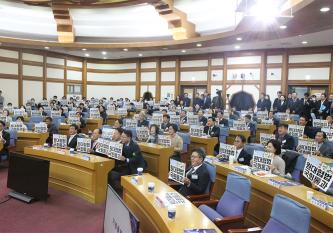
(312, 90)
(191, 90)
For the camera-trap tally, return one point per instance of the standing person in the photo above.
(282, 104)
(187, 100)
(2, 100)
(197, 100)
(206, 100)
(217, 101)
(268, 103)
(276, 102)
(294, 104)
(306, 105)
(129, 161)
(102, 112)
(51, 129)
(322, 107)
(261, 102)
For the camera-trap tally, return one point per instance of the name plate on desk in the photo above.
(320, 203)
(169, 198)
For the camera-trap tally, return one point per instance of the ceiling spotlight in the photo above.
(84, 49)
(87, 55)
(46, 47)
(304, 42)
(125, 50)
(239, 38)
(237, 47)
(324, 9)
(199, 45)
(104, 53)
(140, 54)
(183, 51)
(283, 27)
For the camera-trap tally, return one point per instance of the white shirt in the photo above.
(193, 169)
(237, 153)
(71, 138)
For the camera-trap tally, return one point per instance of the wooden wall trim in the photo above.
(224, 80)
(190, 69)
(138, 80)
(263, 73)
(209, 75)
(309, 65)
(84, 78)
(148, 70)
(20, 79)
(33, 63)
(284, 74)
(55, 80)
(168, 69)
(158, 80)
(74, 68)
(65, 78)
(60, 67)
(99, 71)
(274, 65)
(9, 60)
(111, 83)
(331, 74)
(177, 77)
(32, 78)
(44, 77)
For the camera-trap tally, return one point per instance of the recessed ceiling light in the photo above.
(125, 50)
(183, 51)
(237, 47)
(283, 27)
(46, 47)
(199, 45)
(104, 53)
(84, 49)
(304, 42)
(87, 55)
(239, 38)
(140, 54)
(324, 9)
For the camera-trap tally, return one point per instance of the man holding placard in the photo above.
(51, 129)
(324, 148)
(72, 138)
(242, 156)
(213, 131)
(287, 141)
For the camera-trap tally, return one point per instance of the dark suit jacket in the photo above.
(51, 130)
(325, 111)
(215, 132)
(223, 122)
(187, 102)
(261, 105)
(326, 149)
(197, 101)
(287, 142)
(165, 126)
(199, 181)
(206, 102)
(143, 123)
(135, 159)
(276, 104)
(282, 107)
(244, 158)
(73, 142)
(203, 120)
(252, 127)
(295, 106)
(6, 137)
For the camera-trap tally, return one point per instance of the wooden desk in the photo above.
(63, 129)
(184, 128)
(72, 174)
(233, 133)
(207, 143)
(288, 122)
(93, 124)
(262, 128)
(157, 158)
(262, 196)
(29, 139)
(112, 118)
(154, 219)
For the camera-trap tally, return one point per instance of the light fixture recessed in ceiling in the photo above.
(84, 49)
(183, 51)
(104, 53)
(325, 9)
(283, 27)
(125, 49)
(87, 55)
(237, 47)
(304, 42)
(239, 38)
(199, 45)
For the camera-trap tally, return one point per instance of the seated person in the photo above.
(176, 141)
(116, 136)
(213, 131)
(142, 122)
(21, 119)
(128, 163)
(153, 134)
(164, 112)
(96, 134)
(4, 139)
(250, 125)
(287, 141)
(324, 147)
(41, 109)
(234, 115)
(5, 113)
(202, 118)
(84, 109)
(183, 117)
(102, 112)
(220, 120)
(72, 136)
(197, 177)
(166, 122)
(330, 121)
(242, 156)
(51, 129)
(278, 166)
(118, 123)
(308, 130)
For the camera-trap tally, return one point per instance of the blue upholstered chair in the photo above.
(287, 216)
(294, 117)
(186, 140)
(229, 211)
(206, 196)
(224, 133)
(36, 119)
(251, 147)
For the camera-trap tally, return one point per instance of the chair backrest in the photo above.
(235, 197)
(290, 158)
(186, 140)
(327, 148)
(251, 147)
(212, 175)
(36, 119)
(289, 215)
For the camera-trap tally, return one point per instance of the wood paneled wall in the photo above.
(264, 69)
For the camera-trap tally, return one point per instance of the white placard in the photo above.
(175, 119)
(115, 150)
(164, 140)
(156, 120)
(239, 125)
(142, 133)
(4, 119)
(262, 115)
(131, 123)
(73, 120)
(41, 127)
(192, 119)
(329, 133)
(296, 130)
(55, 114)
(226, 151)
(262, 160)
(44, 103)
(36, 113)
(267, 122)
(122, 111)
(197, 131)
(72, 114)
(83, 145)
(307, 146)
(318, 173)
(282, 116)
(65, 109)
(138, 105)
(94, 113)
(59, 141)
(320, 123)
(177, 171)
(17, 126)
(19, 112)
(265, 138)
(107, 133)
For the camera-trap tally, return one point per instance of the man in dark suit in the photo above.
(197, 100)
(306, 106)
(250, 126)
(4, 139)
(242, 156)
(213, 131)
(166, 122)
(323, 107)
(261, 103)
(128, 163)
(187, 100)
(276, 102)
(197, 177)
(221, 120)
(96, 134)
(51, 129)
(309, 132)
(324, 147)
(72, 136)
(202, 118)
(206, 100)
(287, 141)
(294, 104)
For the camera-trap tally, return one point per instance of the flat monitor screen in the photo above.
(117, 216)
(28, 175)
